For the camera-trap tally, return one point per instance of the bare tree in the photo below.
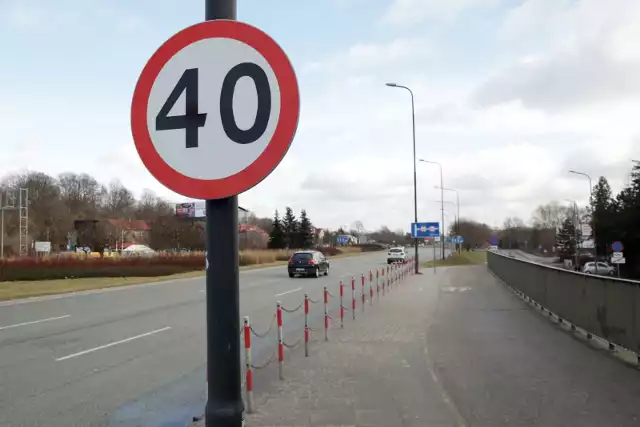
(118, 200)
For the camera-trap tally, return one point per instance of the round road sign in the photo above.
(617, 246)
(215, 109)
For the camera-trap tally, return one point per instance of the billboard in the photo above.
(191, 210)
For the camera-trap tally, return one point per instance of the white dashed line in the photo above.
(34, 322)
(111, 344)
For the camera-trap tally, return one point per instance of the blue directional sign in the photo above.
(617, 246)
(425, 229)
(458, 240)
(494, 241)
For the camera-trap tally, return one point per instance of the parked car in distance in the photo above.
(308, 263)
(396, 255)
(604, 269)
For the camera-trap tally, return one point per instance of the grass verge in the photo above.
(26, 289)
(465, 258)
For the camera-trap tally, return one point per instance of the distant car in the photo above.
(396, 255)
(604, 269)
(308, 263)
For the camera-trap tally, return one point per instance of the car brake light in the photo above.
(312, 262)
(290, 260)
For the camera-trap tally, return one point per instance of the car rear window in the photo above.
(397, 250)
(302, 257)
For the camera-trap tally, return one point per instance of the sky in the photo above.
(509, 96)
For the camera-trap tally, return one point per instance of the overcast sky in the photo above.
(510, 94)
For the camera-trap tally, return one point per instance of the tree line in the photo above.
(57, 202)
(291, 232)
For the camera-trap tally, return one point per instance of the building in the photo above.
(123, 232)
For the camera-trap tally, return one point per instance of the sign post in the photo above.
(421, 230)
(204, 134)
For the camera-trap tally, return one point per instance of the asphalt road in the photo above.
(135, 356)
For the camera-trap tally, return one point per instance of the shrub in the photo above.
(72, 265)
(62, 267)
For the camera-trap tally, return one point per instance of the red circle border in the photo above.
(275, 150)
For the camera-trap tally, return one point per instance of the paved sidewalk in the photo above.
(372, 373)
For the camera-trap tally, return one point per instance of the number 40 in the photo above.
(192, 119)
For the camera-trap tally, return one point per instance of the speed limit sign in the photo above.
(215, 109)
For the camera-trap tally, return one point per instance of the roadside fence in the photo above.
(385, 279)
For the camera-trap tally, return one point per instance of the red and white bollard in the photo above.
(353, 297)
(363, 294)
(248, 362)
(341, 305)
(306, 325)
(378, 283)
(370, 288)
(383, 291)
(326, 314)
(280, 341)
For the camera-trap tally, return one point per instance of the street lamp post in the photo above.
(441, 202)
(457, 203)
(593, 230)
(415, 180)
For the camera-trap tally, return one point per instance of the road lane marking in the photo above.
(34, 322)
(289, 292)
(111, 344)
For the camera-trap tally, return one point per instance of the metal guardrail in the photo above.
(602, 306)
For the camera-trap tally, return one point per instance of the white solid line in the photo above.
(34, 322)
(289, 292)
(111, 344)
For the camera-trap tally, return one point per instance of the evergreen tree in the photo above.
(305, 231)
(566, 239)
(290, 227)
(277, 236)
(602, 214)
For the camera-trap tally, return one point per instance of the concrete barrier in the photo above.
(603, 306)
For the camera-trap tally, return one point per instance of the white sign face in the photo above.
(617, 255)
(197, 75)
(618, 261)
(42, 247)
(493, 248)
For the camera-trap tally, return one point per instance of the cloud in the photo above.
(410, 12)
(564, 79)
(365, 56)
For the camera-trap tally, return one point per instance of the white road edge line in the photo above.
(2, 328)
(288, 292)
(111, 344)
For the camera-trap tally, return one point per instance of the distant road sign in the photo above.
(618, 261)
(420, 230)
(617, 246)
(215, 109)
(458, 240)
(494, 241)
(617, 255)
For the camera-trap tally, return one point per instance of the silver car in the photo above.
(604, 269)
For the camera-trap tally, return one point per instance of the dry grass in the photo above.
(465, 258)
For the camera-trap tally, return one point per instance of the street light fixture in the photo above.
(593, 231)
(415, 179)
(441, 200)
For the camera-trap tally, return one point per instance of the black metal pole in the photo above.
(224, 402)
